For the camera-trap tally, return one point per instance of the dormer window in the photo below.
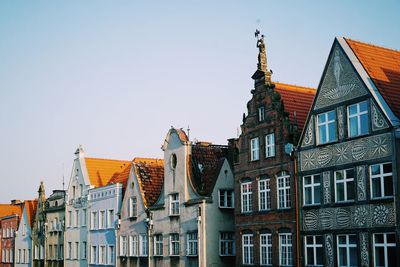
(261, 114)
(132, 207)
(326, 127)
(174, 204)
(357, 119)
(173, 161)
(226, 198)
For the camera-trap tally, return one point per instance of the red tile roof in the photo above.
(101, 171)
(123, 177)
(383, 66)
(10, 209)
(31, 206)
(297, 101)
(150, 173)
(205, 164)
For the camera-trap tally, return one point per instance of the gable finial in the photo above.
(262, 55)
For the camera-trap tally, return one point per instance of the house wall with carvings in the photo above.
(362, 215)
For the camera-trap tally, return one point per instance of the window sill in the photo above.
(306, 206)
(192, 256)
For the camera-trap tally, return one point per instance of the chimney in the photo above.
(16, 202)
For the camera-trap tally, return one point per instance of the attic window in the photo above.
(173, 161)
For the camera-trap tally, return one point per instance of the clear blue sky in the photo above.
(115, 75)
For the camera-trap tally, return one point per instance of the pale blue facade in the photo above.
(104, 207)
(23, 242)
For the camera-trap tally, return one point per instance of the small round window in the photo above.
(173, 161)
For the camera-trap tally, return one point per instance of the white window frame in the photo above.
(93, 255)
(132, 207)
(270, 145)
(345, 182)
(102, 220)
(265, 249)
(110, 218)
(347, 246)
(102, 254)
(326, 125)
(122, 246)
(111, 255)
(283, 189)
(254, 149)
(174, 204)
(223, 196)
(133, 246)
(191, 244)
(94, 220)
(158, 245)
(312, 187)
(246, 197)
(69, 255)
(285, 249)
(84, 248)
(226, 244)
(385, 246)
(247, 249)
(314, 247)
(76, 252)
(76, 221)
(358, 115)
(70, 218)
(174, 245)
(264, 194)
(381, 177)
(84, 217)
(261, 113)
(143, 245)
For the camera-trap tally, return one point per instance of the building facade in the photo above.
(39, 230)
(23, 238)
(265, 215)
(55, 220)
(349, 158)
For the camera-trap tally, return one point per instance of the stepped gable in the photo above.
(297, 101)
(150, 173)
(205, 163)
(102, 171)
(383, 66)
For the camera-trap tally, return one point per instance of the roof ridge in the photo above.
(119, 160)
(297, 86)
(373, 45)
(145, 159)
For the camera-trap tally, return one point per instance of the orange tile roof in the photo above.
(150, 173)
(123, 177)
(101, 171)
(296, 100)
(31, 206)
(9, 209)
(182, 135)
(383, 66)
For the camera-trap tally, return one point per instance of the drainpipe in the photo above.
(297, 207)
(201, 233)
(149, 224)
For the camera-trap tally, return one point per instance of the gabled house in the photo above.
(265, 189)
(143, 189)
(10, 215)
(348, 160)
(104, 207)
(23, 237)
(87, 173)
(38, 231)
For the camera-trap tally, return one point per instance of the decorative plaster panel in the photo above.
(327, 187)
(340, 82)
(367, 148)
(340, 115)
(364, 249)
(361, 187)
(378, 121)
(309, 134)
(349, 217)
(329, 249)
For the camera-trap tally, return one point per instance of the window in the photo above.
(36, 252)
(76, 218)
(247, 199)
(247, 247)
(132, 207)
(385, 249)
(265, 249)
(122, 245)
(312, 189)
(70, 218)
(110, 255)
(102, 219)
(285, 249)
(226, 198)
(133, 245)
(81, 189)
(50, 251)
(283, 183)
(191, 246)
(261, 113)
(76, 256)
(255, 149)
(55, 256)
(347, 250)
(264, 194)
(344, 185)
(174, 204)
(158, 245)
(357, 119)
(84, 255)
(69, 255)
(73, 192)
(61, 253)
(381, 180)
(174, 245)
(226, 244)
(93, 255)
(84, 217)
(314, 253)
(110, 219)
(270, 145)
(326, 127)
(102, 255)
(94, 220)
(143, 245)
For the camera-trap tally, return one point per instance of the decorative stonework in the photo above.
(308, 136)
(378, 121)
(372, 147)
(351, 217)
(329, 249)
(361, 187)
(340, 82)
(327, 187)
(364, 249)
(340, 115)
